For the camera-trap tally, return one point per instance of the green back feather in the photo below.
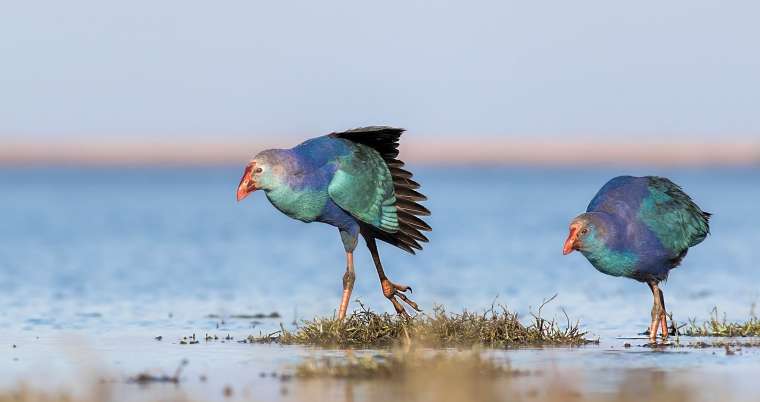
(671, 214)
(363, 186)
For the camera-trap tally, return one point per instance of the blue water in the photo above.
(120, 254)
(126, 247)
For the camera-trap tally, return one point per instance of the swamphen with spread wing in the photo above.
(353, 181)
(640, 228)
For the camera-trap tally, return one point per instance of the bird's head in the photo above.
(265, 171)
(587, 231)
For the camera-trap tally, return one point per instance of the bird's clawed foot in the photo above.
(654, 328)
(661, 326)
(659, 322)
(391, 291)
(664, 326)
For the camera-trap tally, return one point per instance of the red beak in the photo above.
(571, 239)
(246, 185)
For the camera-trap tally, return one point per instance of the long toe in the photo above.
(399, 308)
(402, 288)
(408, 301)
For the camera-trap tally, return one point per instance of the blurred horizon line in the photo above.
(421, 149)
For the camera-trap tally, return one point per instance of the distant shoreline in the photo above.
(488, 151)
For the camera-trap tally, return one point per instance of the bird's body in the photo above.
(640, 228)
(349, 180)
(652, 224)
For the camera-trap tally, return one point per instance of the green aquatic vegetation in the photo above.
(497, 327)
(717, 326)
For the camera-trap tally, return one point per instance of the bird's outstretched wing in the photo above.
(363, 186)
(669, 212)
(388, 204)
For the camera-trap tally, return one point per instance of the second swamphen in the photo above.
(351, 180)
(640, 228)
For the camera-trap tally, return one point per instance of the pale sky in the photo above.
(241, 68)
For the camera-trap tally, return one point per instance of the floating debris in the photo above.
(256, 316)
(89, 315)
(273, 337)
(189, 340)
(147, 378)
(227, 391)
(727, 345)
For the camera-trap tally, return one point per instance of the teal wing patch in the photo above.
(669, 212)
(363, 186)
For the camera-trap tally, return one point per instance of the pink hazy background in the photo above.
(416, 148)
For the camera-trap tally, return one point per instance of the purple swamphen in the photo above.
(640, 228)
(351, 180)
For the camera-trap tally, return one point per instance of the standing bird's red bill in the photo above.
(246, 186)
(570, 242)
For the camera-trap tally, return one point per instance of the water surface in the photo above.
(106, 259)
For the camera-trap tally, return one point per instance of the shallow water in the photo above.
(94, 263)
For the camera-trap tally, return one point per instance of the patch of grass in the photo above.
(717, 326)
(495, 328)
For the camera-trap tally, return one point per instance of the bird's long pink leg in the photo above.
(655, 324)
(348, 285)
(653, 331)
(663, 316)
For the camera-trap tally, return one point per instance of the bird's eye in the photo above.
(258, 170)
(584, 231)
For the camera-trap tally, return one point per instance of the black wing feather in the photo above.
(385, 141)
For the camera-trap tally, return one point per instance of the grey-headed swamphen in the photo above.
(640, 228)
(351, 180)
